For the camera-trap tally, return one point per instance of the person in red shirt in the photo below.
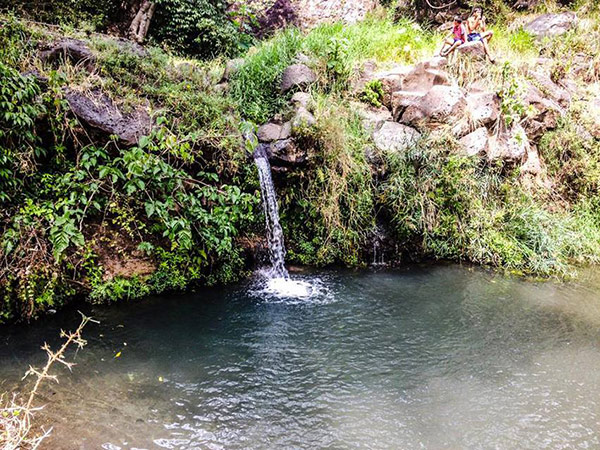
(456, 37)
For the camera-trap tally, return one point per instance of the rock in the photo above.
(484, 107)
(548, 25)
(437, 62)
(286, 130)
(303, 119)
(297, 76)
(549, 88)
(509, 145)
(547, 113)
(402, 100)
(301, 58)
(73, 50)
(473, 49)
(422, 80)
(301, 99)
(532, 164)
(221, 88)
(593, 117)
(132, 47)
(285, 154)
(475, 143)
(231, 67)
(268, 132)
(312, 12)
(395, 137)
(372, 118)
(41, 80)
(99, 112)
(391, 81)
(442, 104)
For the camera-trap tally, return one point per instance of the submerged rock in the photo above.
(98, 111)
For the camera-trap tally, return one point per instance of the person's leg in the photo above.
(446, 43)
(454, 46)
(486, 49)
(487, 35)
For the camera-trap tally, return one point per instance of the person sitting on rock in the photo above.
(455, 38)
(476, 31)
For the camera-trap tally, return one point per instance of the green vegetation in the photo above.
(89, 216)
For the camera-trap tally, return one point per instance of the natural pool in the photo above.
(426, 357)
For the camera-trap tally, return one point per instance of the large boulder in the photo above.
(97, 110)
(269, 132)
(548, 25)
(549, 88)
(484, 107)
(402, 100)
(546, 113)
(73, 50)
(395, 137)
(509, 145)
(475, 143)
(532, 164)
(473, 49)
(372, 118)
(422, 79)
(303, 119)
(285, 154)
(297, 76)
(442, 104)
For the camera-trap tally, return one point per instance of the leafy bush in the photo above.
(201, 28)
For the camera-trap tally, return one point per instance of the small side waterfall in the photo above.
(274, 231)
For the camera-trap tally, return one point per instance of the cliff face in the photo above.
(313, 12)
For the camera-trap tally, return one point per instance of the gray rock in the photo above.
(99, 112)
(73, 50)
(231, 67)
(475, 143)
(593, 117)
(509, 145)
(549, 88)
(548, 25)
(303, 119)
(546, 113)
(442, 104)
(532, 164)
(422, 79)
(284, 153)
(372, 118)
(297, 76)
(402, 100)
(484, 107)
(286, 130)
(301, 99)
(269, 132)
(395, 137)
(473, 49)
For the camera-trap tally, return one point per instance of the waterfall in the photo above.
(274, 231)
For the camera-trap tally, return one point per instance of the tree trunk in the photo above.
(141, 22)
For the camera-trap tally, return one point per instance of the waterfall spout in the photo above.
(274, 231)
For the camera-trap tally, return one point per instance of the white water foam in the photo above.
(293, 290)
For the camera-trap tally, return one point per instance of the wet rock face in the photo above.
(97, 110)
(551, 24)
(73, 50)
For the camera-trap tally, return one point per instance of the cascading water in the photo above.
(274, 231)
